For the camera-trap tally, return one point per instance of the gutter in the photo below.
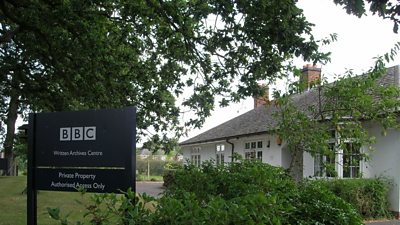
(233, 148)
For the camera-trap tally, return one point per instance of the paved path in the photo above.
(388, 222)
(150, 188)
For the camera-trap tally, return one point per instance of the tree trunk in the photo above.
(296, 164)
(10, 134)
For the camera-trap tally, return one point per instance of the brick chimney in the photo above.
(264, 98)
(310, 76)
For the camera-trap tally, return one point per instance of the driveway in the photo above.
(387, 222)
(151, 188)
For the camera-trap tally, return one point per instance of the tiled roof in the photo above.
(260, 120)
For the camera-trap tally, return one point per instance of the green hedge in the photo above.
(247, 192)
(368, 196)
(250, 192)
(156, 166)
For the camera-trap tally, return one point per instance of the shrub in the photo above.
(170, 169)
(239, 193)
(249, 209)
(232, 180)
(168, 177)
(241, 184)
(316, 204)
(367, 196)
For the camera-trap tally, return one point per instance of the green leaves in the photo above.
(69, 55)
(339, 112)
(385, 9)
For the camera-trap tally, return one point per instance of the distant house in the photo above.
(145, 153)
(249, 136)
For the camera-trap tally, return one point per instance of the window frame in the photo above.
(195, 156)
(220, 154)
(341, 169)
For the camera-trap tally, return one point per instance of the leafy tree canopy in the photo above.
(386, 9)
(68, 55)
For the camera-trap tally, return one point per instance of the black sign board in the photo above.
(3, 164)
(85, 139)
(93, 150)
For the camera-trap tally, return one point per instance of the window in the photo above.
(251, 148)
(250, 155)
(253, 145)
(324, 164)
(343, 161)
(259, 155)
(219, 154)
(351, 160)
(195, 156)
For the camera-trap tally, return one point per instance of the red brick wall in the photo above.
(311, 75)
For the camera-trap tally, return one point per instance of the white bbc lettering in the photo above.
(65, 134)
(77, 133)
(90, 133)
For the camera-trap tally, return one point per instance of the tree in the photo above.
(334, 116)
(68, 55)
(384, 8)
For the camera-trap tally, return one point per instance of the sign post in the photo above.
(92, 150)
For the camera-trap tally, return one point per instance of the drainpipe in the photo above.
(233, 148)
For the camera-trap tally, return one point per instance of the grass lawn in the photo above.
(143, 177)
(13, 203)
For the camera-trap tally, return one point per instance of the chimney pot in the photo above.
(263, 99)
(311, 75)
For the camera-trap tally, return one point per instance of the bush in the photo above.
(170, 169)
(168, 177)
(239, 193)
(238, 187)
(316, 204)
(233, 180)
(368, 196)
(249, 209)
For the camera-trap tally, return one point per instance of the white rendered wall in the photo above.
(384, 161)
(271, 155)
(308, 165)
(207, 151)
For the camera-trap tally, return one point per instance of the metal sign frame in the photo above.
(3, 164)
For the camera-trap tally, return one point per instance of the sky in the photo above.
(360, 40)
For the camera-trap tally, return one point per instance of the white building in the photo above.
(249, 136)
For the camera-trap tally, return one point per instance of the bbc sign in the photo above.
(92, 138)
(100, 141)
(68, 151)
(78, 134)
